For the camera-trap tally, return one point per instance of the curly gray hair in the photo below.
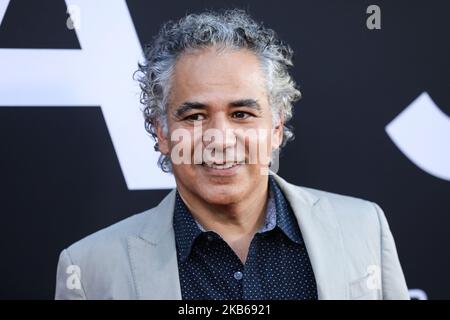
(228, 29)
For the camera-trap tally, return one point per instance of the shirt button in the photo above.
(209, 237)
(238, 275)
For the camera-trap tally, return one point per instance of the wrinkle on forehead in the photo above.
(208, 73)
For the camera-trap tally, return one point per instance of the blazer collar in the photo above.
(159, 220)
(323, 240)
(153, 256)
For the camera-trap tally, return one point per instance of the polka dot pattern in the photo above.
(277, 265)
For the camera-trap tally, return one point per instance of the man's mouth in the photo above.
(222, 166)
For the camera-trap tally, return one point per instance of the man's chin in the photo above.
(222, 195)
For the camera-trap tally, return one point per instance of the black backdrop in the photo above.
(60, 178)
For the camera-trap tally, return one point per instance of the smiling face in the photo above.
(225, 94)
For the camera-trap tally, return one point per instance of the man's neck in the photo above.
(236, 223)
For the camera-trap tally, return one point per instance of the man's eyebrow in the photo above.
(187, 106)
(252, 103)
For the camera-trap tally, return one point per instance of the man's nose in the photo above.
(219, 133)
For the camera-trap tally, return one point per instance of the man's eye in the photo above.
(241, 115)
(195, 117)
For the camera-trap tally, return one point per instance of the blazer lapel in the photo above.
(322, 238)
(153, 255)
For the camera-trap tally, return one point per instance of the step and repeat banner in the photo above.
(373, 122)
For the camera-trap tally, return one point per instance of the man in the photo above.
(217, 97)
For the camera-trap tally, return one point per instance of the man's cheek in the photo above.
(181, 146)
(258, 146)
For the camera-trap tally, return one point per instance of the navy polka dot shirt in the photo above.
(277, 265)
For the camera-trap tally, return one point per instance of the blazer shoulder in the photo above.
(110, 239)
(353, 214)
(348, 209)
(113, 240)
(340, 199)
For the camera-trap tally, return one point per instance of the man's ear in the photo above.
(163, 141)
(277, 133)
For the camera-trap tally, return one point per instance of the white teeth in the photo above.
(221, 166)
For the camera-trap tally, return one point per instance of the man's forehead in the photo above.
(212, 77)
(217, 68)
(204, 80)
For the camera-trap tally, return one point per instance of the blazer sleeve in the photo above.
(392, 279)
(68, 279)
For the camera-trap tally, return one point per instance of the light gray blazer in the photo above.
(350, 245)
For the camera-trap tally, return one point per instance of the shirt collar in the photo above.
(185, 227)
(285, 218)
(278, 214)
